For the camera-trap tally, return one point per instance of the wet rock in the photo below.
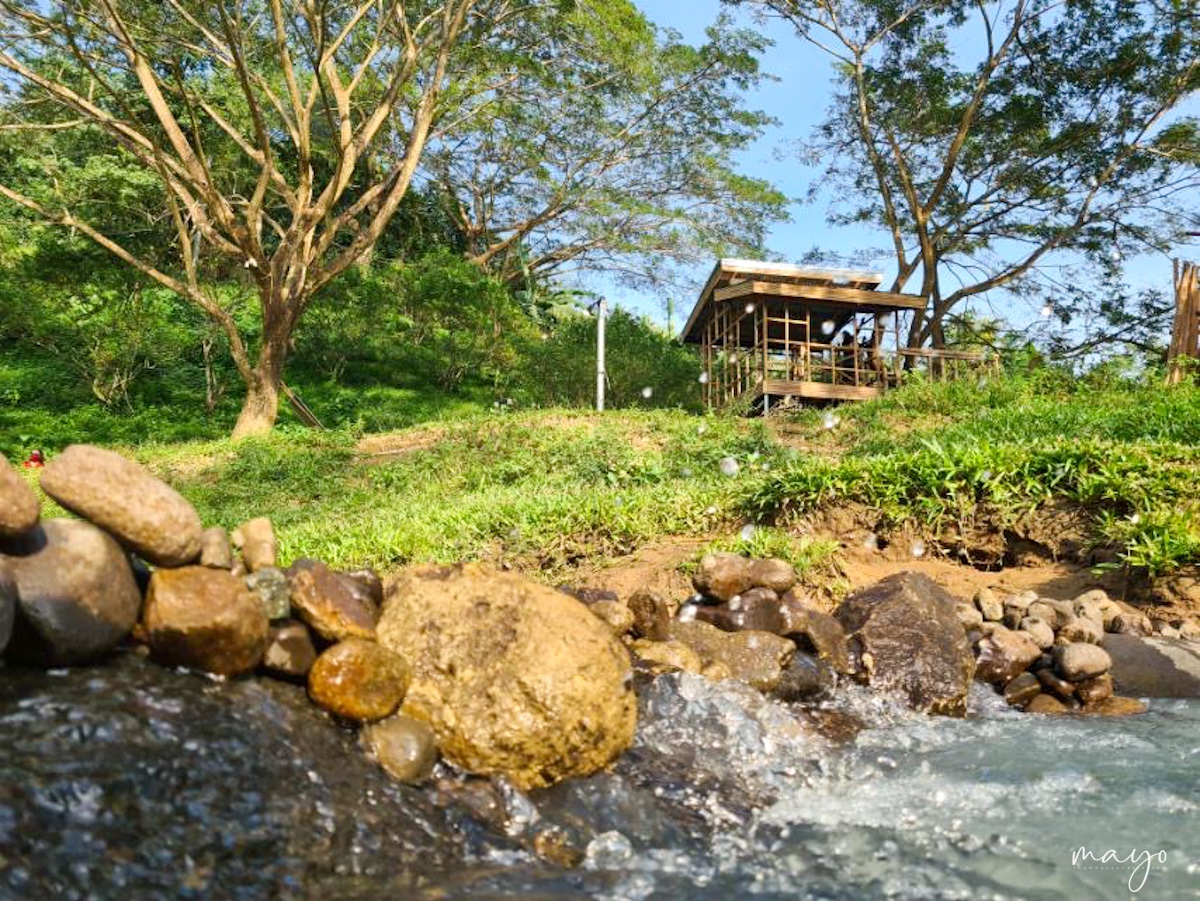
(777, 575)
(758, 658)
(328, 604)
(369, 580)
(989, 605)
(204, 619)
(1060, 687)
(77, 597)
(1039, 631)
(1004, 655)
(822, 635)
(19, 507)
(1081, 629)
(553, 845)
(271, 587)
(1077, 661)
(8, 605)
(1114, 706)
(121, 497)
(805, 677)
(256, 541)
(515, 678)
(290, 652)
(1048, 705)
(911, 642)
(359, 680)
(1153, 667)
(969, 616)
(617, 615)
(722, 576)
(757, 610)
(651, 615)
(1097, 689)
(406, 748)
(1127, 623)
(1167, 631)
(658, 657)
(1023, 689)
(215, 550)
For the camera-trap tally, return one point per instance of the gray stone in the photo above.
(271, 587)
(406, 748)
(77, 597)
(1079, 661)
(1039, 631)
(910, 642)
(19, 508)
(124, 499)
(1154, 667)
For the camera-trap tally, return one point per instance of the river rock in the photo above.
(256, 541)
(969, 616)
(722, 576)
(758, 658)
(820, 634)
(910, 642)
(806, 677)
(325, 601)
(205, 619)
(77, 597)
(989, 605)
(8, 605)
(1016, 606)
(1114, 706)
(515, 678)
(271, 587)
(290, 651)
(125, 500)
(1078, 661)
(359, 680)
(1004, 655)
(658, 657)
(1042, 610)
(651, 614)
(215, 550)
(1037, 629)
(1081, 629)
(1154, 667)
(19, 508)
(777, 575)
(368, 580)
(588, 595)
(1052, 683)
(756, 610)
(1097, 601)
(1023, 689)
(1097, 689)
(406, 748)
(617, 615)
(1047, 704)
(1129, 623)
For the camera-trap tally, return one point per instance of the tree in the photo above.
(991, 139)
(611, 148)
(283, 135)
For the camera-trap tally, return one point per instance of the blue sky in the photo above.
(798, 99)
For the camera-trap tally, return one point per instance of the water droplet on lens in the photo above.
(985, 476)
(1136, 518)
(729, 466)
(1047, 311)
(647, 392)
(749, 308)
(830, 421)
(701, 429)
(711, 511)
(704, 378)
(871, 542)
(918, 548)
(687, 613)
(827, 327)
(748, 532)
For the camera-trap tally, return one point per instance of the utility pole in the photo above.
(601, 315)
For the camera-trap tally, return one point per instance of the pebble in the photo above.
(406, 748)
(989, 605)
(1004, 655)
(1041, 633)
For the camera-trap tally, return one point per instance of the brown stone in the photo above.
(758, 610)
(8, 605)
(1060, 687)
(19, 507)
(1039, 631)
(989, 605)
(359, 680)
(1114, 706)
(969, 616)
(820, 634)
(658, 657)
(406, 748)
(758, 658)
(805, 677)
(1047, 704)
(617, 615)
(910, 642)
(76, 594)
(777, 575)
(1023, 689)
(215, 550)
(256, 541)
(1127, 623)
(1004, 655)
(1077, 662)
(722, 575)
(1082, 630)
(651, 615)
(515, 678)
(290, 652)
(1097, 689)
(328, 604)
(122, 497)
(205, 619)
(368, 580)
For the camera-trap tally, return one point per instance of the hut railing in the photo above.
(944, 365)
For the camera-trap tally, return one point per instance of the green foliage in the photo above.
(808, 555)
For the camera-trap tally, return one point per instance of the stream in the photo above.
(128, 781)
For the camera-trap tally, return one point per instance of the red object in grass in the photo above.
(36, 460)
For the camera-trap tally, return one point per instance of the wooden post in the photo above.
(601, 313)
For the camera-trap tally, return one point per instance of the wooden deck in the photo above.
(782, 388)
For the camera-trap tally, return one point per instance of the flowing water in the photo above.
(128, 781)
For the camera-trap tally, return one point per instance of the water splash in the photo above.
(703, 378)
(918, 548)
(729, 467)
(749, 530)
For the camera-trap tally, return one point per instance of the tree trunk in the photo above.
(261, 407)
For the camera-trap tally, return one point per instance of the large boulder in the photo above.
(123, 498)
(1154, 667)
(908, 639)
(77, 597)
(515, 678)
(19, 507)
(205, 619)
